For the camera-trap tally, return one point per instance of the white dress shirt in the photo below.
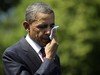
(34, 45)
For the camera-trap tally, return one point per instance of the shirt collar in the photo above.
(34, 45)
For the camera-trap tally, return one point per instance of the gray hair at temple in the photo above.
(35, 8)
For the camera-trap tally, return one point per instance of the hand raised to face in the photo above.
(51, 48)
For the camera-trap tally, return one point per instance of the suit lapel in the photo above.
(31, 53)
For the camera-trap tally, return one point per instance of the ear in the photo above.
(26, 25)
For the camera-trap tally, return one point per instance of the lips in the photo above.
(46, 40)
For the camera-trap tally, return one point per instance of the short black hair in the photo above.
(34, 8)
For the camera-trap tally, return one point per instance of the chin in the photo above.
(44, 43)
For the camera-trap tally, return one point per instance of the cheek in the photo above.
(34, 33)
(38, 36)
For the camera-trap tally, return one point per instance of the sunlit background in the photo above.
(78, 34)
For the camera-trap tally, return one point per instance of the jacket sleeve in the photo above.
(43, 70)
(12, 66)
(49, 67)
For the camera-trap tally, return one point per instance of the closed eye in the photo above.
(52, 25)
(42, 26)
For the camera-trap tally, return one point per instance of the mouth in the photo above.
(46, 40)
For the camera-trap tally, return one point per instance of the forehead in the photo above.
(43, 16)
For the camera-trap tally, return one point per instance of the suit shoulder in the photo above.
(13, 47)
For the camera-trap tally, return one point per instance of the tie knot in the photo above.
(43, 52)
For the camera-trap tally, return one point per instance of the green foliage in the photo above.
(6, 5)
(78, 34)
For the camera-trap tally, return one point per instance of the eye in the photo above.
(52, 25)
(42, 26)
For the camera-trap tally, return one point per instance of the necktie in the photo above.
(43, 53)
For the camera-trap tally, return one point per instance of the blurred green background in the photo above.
(78, 34)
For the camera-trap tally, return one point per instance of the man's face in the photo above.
(39, 30)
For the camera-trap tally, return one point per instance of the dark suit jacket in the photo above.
(21, 59)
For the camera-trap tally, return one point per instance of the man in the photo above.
(25, 57)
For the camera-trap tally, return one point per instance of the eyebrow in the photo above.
(52, 24)
(44, 25)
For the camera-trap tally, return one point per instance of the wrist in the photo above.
(50, 58)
